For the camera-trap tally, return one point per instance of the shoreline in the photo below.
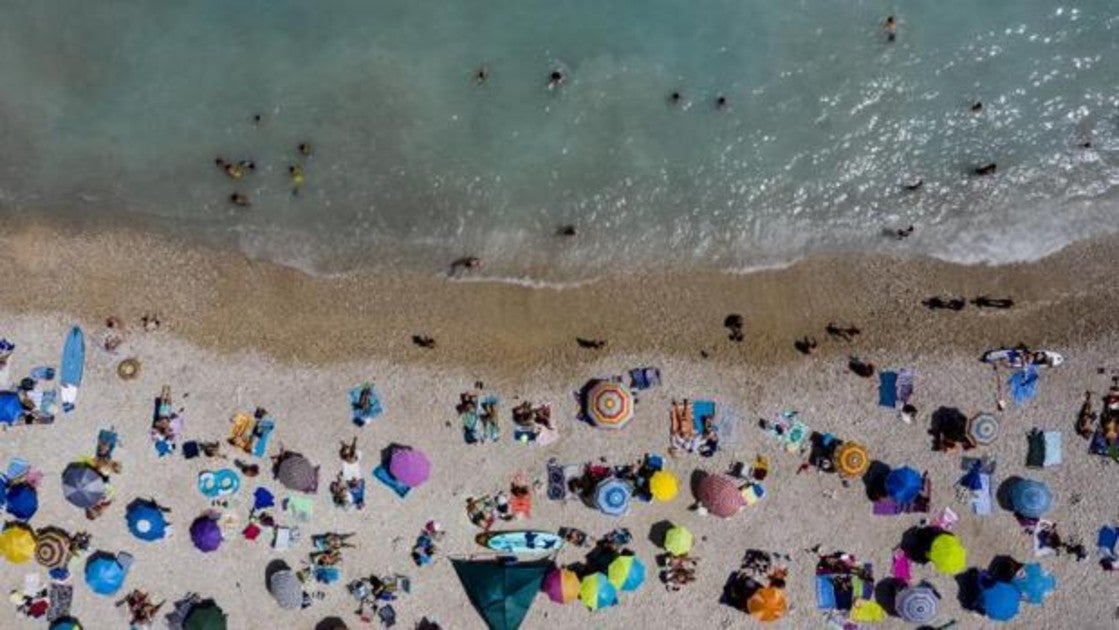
(224, 301)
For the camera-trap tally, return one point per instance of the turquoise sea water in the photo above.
(114, 111)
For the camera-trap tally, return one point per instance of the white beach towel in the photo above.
(981, 502)
(1052, 449)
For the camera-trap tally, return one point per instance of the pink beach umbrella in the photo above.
(409, 466)
(720, 495)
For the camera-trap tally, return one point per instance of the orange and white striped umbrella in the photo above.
(609, 404)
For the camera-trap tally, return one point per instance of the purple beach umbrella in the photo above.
(409, 466)
(205, 534)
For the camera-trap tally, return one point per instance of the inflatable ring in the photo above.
(128, 369)
(226, 482)
(208, 483)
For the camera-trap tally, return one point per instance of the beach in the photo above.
(238, 334)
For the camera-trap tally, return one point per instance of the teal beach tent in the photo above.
(502, 591)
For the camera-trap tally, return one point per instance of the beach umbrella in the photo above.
(626, 573)
(104, 573)
(52, 547)
(145, 520)
(663, 485)
(948, 555)
(17, 543)
(205, 533)
(768, 604)
(65, 623)
(678, 540)
(1031, 499)
(562, 585)
(917, 604)
(1001, 601)
(903, 484)
(82, 486)
(612, 496)
(286, 588)
(983, 428)
(851, 459)
(11, 409)
(609, 404)
(205, 615)
(296, 472)
(597, 592)
(868, 611)
(1035, 583)
(22, 501)
(719, 494)
(409, 466)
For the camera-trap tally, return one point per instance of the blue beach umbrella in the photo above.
(1001, 601)
(903, 484)
(612, 496)
(1031, 499)
(22, 501)
(104, 573)
(1035, 583)
(10, 407)
(146, 520)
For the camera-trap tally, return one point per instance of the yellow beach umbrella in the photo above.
(867, 611)
(948, 555)
(663, 486)
(17, 543)
(678, 540)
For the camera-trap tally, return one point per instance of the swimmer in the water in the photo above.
(296, 173)
(675, 98)
(239, 199)
(466, 263)
(915, 186)
(304, 149)
(977, 107)
(891, 27)
(234, 171)
(257, 118)
(986, 169)
(481, 74)
(721, 102)
(566, 230)
(555, 79)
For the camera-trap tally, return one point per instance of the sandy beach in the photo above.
(239, 334)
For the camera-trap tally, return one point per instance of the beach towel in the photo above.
(261, 432)
(902, 566)
(361, 416)
(702, 409)
(644, 378)
(241, 432)
(357, 492)
(1023, 384)
(1105, 541)
(381, 474)
(302, 508)
(981, 500)
(887, 389)
(283, 537)
(825, 593)
(905, 386)
(557, 482)
(61, 598)
(521, 507)
(328, 575)
(1052, 449)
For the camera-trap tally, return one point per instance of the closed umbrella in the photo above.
(17, 543)
(82, 486)
(768, 604)
(145, 520)
(205, 615)
(851, 459)
(286, 588)
(609, 404)
(104, 573)
(52, 547)
(663, 485)
(1035, 583)
(917, 604)
(678, 540)
(561, 585)
(409, 466)
(903, 484)
(983, 429)
(612, 496)
(22, 501)
(1031, 499)
(1001, 601)
(597, 592)
(719, 494)
(626, 573)
(296, 472)
(205, 534)
(948, 555)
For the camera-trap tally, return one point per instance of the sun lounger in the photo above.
(381, 474)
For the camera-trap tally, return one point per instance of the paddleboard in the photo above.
(72, 368)
(521, 541)
(1013, 357)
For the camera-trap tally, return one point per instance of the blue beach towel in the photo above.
(261, 433)
(825, 593)
(361, 417)
(700, 410)
(888, 389)
(381, 474)
(1023, 384)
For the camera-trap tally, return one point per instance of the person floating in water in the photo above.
(903, 233)
(235, 170)
(566, 230)
(555, 79)
(466, 263)
(304, 149)
(986, 169)
(239, 199)
(675, 98)
(915, 186)
(977, 107)
(296, 173)
(722, 102)
(481, 74)
(891, 27)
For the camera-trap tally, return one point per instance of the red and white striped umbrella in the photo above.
(609, 404)
(720, 495)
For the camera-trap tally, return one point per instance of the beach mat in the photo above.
(700, 410)
(888, 389)
(381, 474)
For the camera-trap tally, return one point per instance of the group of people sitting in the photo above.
(140, 607)
(348, 488)
(479, 417)
(423, 552)
(485, 510)
(166, 425)
(534, 424)
(685, 437)
(678, 571)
